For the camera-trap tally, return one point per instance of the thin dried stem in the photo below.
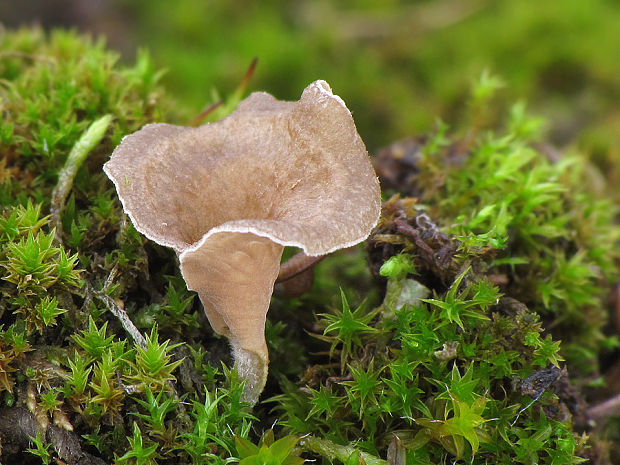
(296, 265)
(606, 409)
(117, 310)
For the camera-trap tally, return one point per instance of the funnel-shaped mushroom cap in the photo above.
(228, 196)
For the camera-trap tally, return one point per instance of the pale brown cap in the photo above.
(228, 196)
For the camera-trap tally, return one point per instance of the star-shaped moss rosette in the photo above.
(229, 196)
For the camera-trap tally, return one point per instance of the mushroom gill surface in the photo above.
(228, 196)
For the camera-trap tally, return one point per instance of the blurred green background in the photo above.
(399, 65)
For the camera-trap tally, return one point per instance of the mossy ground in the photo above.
(465, 332)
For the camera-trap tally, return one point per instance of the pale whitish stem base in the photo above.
(252, 368)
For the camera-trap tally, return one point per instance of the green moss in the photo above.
(448, 345)
(534, 221)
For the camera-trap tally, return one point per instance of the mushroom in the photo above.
(229, 196)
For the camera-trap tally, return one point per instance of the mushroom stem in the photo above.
(252, 368)
(235, 289)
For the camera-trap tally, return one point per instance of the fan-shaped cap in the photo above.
(228, 196)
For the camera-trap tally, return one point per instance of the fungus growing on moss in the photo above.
(229, 196)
